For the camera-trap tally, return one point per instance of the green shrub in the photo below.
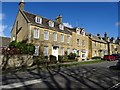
(40, 60)
(53, 59)
(60, 58)
(23, 48)
(72, 56)
(96, 57)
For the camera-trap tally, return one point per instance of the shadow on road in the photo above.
(68, 78)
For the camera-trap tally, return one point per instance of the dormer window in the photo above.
(51, 23)
(83, 33)
(61, 27)
(90, 35)
(113, 41)
(38, 20)
(78, 30)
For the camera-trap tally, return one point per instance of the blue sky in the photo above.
(96, 17)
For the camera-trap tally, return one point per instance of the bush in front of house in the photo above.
(22, 47)
(40, 60)
(53, 59)
(60, 58)
(72, 56)
(96, 57)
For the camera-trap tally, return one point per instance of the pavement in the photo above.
(89, 76)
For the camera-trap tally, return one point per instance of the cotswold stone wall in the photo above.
(8, 61)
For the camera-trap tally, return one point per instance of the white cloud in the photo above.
(68, 25)
(118, 24)
(2, 28)
(1, 16)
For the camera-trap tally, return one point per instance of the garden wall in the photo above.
(13, 61)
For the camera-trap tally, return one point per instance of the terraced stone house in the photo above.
(53, 38)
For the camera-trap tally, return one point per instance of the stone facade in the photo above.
(68, 39)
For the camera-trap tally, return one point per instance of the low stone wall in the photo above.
(7, 61)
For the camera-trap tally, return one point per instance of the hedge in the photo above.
(21, 48)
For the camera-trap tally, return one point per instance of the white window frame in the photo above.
(68, 51)
(38, 20)
(62, 50)
(55, 36)
(83, 42)
(68, 39)
(36, 33)
(51, 23)
(46, 51)
(46, 35)
(36, 53)
(95, 44)
(83, 55)
(62, 37)
(78, 32)
(83, 33)
(61, 27)
(13, 38)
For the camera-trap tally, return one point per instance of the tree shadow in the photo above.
(89, 77)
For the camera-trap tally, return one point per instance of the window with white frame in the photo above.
(13, 39)
(95, 44)
(83, 42)
(83, 55)
(62, 38)
(68, 39)
(68, 51)
(45, 50)
(83, 33)
(46, 35)
(36, 53)
(36, 32)
(38, 20)
(62, 51)
(55, 36)
(61, 27)
(51, 23)
(78, 31)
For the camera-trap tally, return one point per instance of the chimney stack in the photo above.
(59, 19)
(105, 35)
(21, 5)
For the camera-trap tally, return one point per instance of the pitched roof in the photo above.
(97, 39)
(31, 18)
(5, 41)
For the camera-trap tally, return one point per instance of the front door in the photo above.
(55, 52)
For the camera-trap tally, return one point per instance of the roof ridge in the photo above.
(41, 16)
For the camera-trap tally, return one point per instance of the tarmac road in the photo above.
(89, 76)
